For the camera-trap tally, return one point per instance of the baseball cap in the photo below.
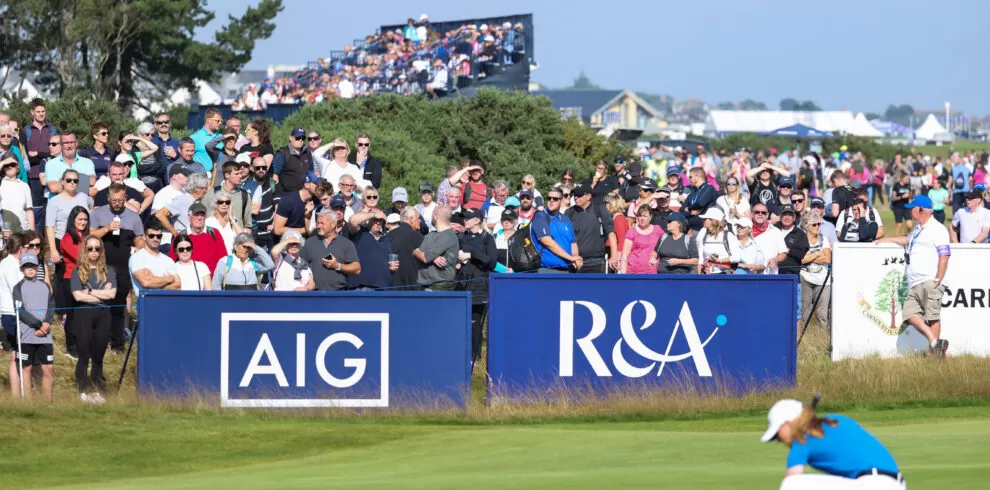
(197, 208)
(292, 236)
(919, 202)
(780, 413)
(124, 158)
(648, 185)
(673, 170)
(974, 194)
(393, 218)
(471, 213)
(785, 181)
(678, 217)
(713, 213)
(509, 215)
(337, 202)
(298, 133)
(635, 168)
(525, 193)
(817, 201)
(512, 201)
(787, 209)
(744, 222)
(425, 187)
(580, 191)
(29, 258)
(400, 194)
(620, 159)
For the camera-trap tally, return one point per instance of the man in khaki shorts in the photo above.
(927, 259)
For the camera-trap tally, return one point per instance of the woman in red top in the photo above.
(617, 208)
(76, 229)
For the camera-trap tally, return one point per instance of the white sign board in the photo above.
(868, 291)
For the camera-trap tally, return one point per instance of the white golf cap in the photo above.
(713, 213)
(744, 222)
(780, 413)
(123, 158)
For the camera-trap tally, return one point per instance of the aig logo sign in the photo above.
(283, 360)
(648, 359)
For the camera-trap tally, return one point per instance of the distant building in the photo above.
(621, 109)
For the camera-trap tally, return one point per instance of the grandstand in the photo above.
(420, 56)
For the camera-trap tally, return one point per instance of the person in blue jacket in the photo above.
(848, 456)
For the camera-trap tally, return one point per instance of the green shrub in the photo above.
(76, 112)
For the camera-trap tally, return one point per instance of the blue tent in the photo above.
(800, 131)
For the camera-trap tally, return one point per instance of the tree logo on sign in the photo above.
(888, 303)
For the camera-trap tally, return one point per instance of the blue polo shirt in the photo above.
(55, 167)
(170, 142)
(844, 450)
(201, 137)
(558, 227)
(373, 255)
(293, 209)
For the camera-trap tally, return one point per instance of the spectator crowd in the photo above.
(412, 60)
(229, 209)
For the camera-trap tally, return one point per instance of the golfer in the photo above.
(850, 457)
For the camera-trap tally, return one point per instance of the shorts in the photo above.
(924, 300)
(901, 214)
(939, 215)
(36, 354)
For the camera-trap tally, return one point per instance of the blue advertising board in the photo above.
(307, 349)
(552, 332)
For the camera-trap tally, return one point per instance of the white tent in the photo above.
(862, 127)
(931, 130)
(762, 121)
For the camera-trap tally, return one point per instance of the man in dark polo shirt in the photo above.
(405, 239)
(293, 212)
(292, 164)
(592, 228)
(367, 231)
(120, 229)
(331, 257)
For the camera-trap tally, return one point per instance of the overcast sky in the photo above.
(859, 55)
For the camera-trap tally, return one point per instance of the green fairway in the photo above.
(112, 448)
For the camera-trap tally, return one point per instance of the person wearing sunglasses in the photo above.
(9, 143)
(370, 165)
(120, 228)
(194, 275)
(168, 147)
(292, 165)
(211, 129)
(69, 158)
(59, 207)
(814, 270)
(93, 284)
(16, 202)
(151, 269)
(101, 152)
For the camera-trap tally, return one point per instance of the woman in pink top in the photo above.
(639, 244)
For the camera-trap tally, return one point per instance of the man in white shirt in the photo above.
(345, 88)
(151, 269)
(768, 237)
(973, 221)
(928, 255)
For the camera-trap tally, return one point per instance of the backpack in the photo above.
(230, 262)
(521, 250)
